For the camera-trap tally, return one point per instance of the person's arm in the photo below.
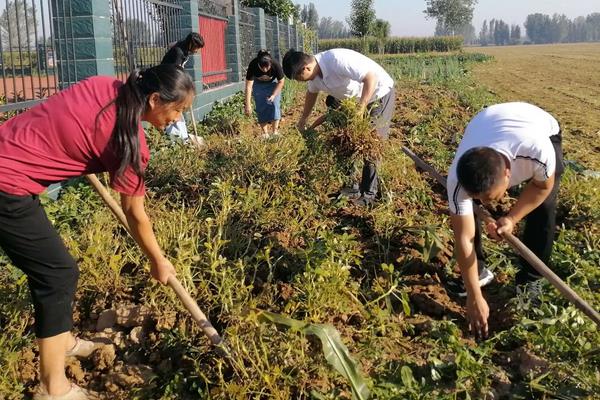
(248, 101)
(464, 248)
(278, 89)
(534, 194)
(309, 103)
(142, 232)
(369, 85)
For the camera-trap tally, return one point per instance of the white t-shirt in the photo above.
(343, 71)
(519, 131)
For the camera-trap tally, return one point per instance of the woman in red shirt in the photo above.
(93, 126)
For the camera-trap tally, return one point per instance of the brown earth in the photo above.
(564, 79)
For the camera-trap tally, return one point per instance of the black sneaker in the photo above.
(457, 286)
(364, 201)
(350, 193)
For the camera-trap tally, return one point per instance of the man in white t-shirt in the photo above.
(503, 146)
(342, 74)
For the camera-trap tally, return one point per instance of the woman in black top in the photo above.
(181, 51)
(265, 80)
(179, 54)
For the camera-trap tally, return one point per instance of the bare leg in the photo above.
(265, 127)
(275, 126)
(52, 363)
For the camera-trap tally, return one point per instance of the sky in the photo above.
(407, 18)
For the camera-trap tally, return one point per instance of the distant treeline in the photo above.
(542, 28)
(395, 45)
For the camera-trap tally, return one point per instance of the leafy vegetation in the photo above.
(255, 226)
(394, 45)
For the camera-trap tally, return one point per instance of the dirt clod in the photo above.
(104, 357)
(531, 363)
(74, 370)
(131, 315)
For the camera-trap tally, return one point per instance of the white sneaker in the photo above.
(83, 348)
(457, 286)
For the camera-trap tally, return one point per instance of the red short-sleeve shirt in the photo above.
(64, 137)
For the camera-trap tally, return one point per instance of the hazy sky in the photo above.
(407, 18)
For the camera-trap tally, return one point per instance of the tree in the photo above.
(538, 27)
(381, 30)
(281, 8)
(483, 34)
(515, 34)
(332, 29)
(13, 20)
(593, 26)
(362, 17)
(312, 18)
(451, 15)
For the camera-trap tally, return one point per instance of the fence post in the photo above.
(233, 44)
(276, 41)
(260, 37)
(296, 37)
(82, 39)
(190, 22)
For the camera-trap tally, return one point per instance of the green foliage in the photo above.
(249, 224)
(226, 116)
(395, 45)
(431, 68)
(336, 353)
(451, 14)
(281, 8)
(362, 17)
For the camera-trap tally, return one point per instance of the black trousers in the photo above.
(34, 246)
(540, 224)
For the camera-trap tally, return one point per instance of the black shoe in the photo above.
(457, 286)
(364, 201)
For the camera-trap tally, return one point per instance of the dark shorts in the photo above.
(34, 246)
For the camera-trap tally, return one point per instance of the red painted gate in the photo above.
(214, 60)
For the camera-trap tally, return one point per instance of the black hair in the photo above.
(264, 58)
(191, 42)
(294, 61)
(169, 81)
(479, 169)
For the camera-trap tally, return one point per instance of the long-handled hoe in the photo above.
(519, 247)
(187, 300)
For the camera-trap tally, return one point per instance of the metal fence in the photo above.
(270, 35)
(27, 55)
(143, 31)
(39, 51)
(216, 8)
(247, 39)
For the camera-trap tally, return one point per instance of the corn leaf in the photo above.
(334, 350)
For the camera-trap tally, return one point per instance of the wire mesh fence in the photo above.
(143, 30)
(247, 38)
(28, 68)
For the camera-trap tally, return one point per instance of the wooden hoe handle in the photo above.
(187, 300)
